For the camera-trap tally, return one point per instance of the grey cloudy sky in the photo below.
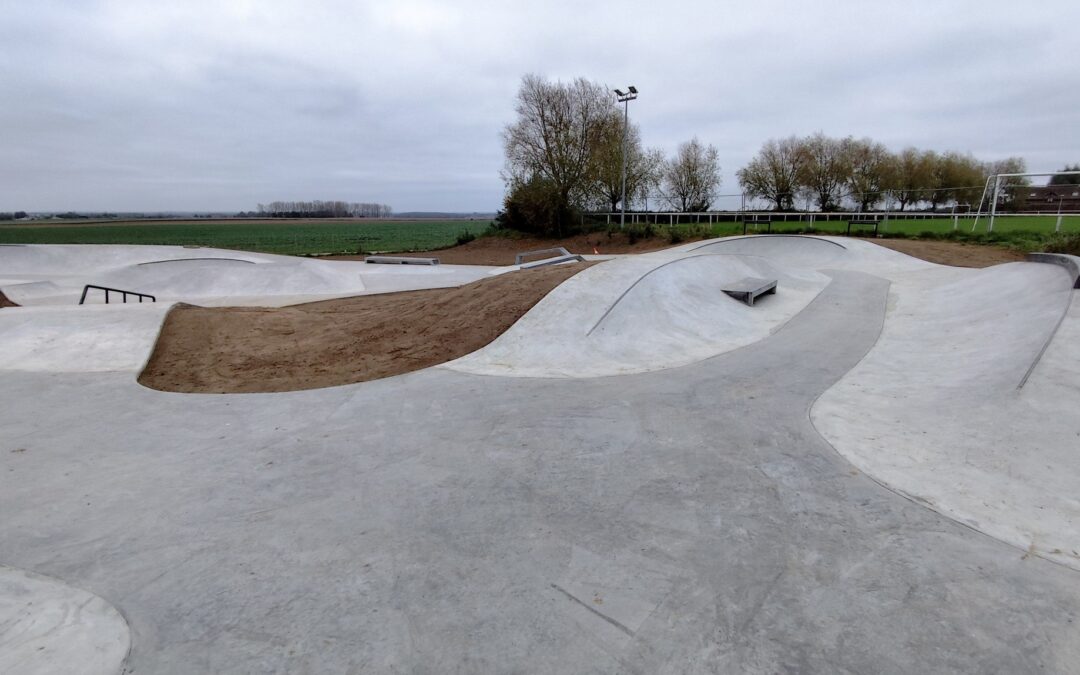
(221, 104)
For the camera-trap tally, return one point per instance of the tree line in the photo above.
(324, 209)
(565, 152)
(834, 173)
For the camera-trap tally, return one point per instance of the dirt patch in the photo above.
(4, 302)
(334, 342)
(953, 253)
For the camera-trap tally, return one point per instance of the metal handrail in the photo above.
(125, 294)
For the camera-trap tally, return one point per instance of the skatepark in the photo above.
(872, 469)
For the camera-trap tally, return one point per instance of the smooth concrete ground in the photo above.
(686, 520)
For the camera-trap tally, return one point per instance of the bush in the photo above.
(464, 238)
(1063, 243)
(535, 207)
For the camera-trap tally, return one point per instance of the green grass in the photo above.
(295, 237)
(1036, 225)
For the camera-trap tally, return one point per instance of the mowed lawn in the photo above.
(296, 237)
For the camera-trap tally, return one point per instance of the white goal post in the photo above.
(995, 180)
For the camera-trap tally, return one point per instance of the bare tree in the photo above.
(692, 177)
(871, 171)
(773, 174)
(606, 172)
(557, 129)
(913, 175)
(825, 169)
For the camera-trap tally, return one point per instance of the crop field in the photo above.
(295, 237)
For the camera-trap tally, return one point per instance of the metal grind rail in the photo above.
(124, 294)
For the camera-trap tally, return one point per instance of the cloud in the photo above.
(125, 105)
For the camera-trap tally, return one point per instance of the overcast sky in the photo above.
(222, 104)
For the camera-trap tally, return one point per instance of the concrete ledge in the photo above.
(1071, 263)
(399, 260)
(570, 257)
(559, 251)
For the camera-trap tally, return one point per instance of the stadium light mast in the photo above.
(625, 99)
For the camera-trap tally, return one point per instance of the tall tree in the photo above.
(957, 179)
(692, 177)
(773, 174)
(606, 171)
(1064, 178)
(825, 169)
(871, 171)
(913, 176)
(558, 125)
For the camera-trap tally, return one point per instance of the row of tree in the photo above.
(324, 209)
(565, 154)
(832, 173)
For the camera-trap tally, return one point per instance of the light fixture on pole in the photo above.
(625, 99)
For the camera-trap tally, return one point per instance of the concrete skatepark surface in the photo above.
(847, 489)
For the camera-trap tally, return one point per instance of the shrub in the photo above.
(464, 238)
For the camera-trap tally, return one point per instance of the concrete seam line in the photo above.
(1049, 339)
(655, 269)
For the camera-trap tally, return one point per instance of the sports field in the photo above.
(296, 237)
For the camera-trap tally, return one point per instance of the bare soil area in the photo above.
(4, 302)
(953, 253)
(334, 342)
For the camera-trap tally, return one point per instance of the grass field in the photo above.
(1036, 225)
(296, 237)
(310, 237)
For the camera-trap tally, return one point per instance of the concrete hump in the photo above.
(47, 627)
(643, 313)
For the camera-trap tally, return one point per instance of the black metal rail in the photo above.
(108, 290)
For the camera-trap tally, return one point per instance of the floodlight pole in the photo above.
(625, 100)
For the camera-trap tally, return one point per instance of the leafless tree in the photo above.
(692, 177)
(606, 172)
(773, 174)
(871, 171)
(558, 126)
(825, 169)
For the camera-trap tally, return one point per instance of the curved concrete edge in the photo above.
(1070, 263)
(975, 452)
(48, 627)
(710, 242)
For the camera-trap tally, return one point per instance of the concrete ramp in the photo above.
(935, 411)
(643, 313)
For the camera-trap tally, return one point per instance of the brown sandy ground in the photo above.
(334, 342)
(4, 302)
(953, 253)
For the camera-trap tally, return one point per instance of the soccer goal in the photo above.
(1015, 186)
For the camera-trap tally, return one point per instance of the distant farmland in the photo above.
(296, 237)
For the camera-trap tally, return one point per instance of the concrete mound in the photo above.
(643, 313)
(48, 627)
